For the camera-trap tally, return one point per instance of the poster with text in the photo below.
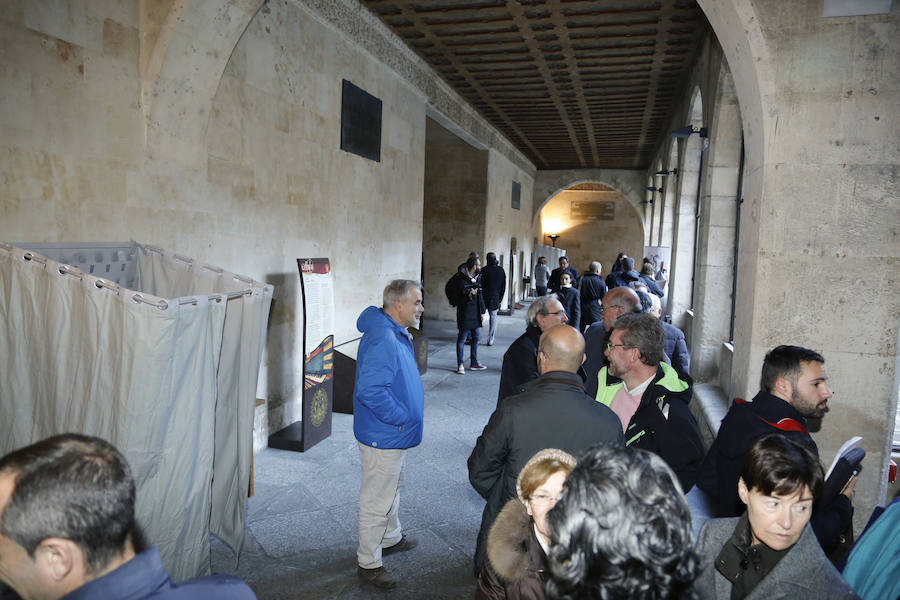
(317, 289)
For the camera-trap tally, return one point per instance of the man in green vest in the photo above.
(649, 396)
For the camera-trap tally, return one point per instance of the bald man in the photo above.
(617, 302)
(553, 413)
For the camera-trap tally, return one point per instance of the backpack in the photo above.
(450, 291)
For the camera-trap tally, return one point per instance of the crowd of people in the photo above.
(584, 466)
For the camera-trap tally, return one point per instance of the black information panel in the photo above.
(360, 122)
(317, 290)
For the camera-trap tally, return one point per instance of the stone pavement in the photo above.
(301, 534)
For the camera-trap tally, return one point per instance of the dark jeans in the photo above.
(468, 335)
(541, 290)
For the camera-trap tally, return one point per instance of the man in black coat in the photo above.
(554, 282)
(649, 397)
(793, 388)
(592, 289)
(624, 277)
(469, 308)
(493, 282)
(554, 413)
(675, 346)
(520, 360)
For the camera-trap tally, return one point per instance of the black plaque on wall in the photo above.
(360, 122)
(516, 195)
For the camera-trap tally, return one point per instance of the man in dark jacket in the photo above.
(617, 302)
(68, 529)
(493, 283)
(469, 308)
(554, 282)
(646, 276)
(520, 360)
(591, 289)
(554, 413)
(624, 277)
(649, 397)
(794, 388)
(675, 346)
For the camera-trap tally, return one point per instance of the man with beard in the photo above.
(649, 396)
(794, 388)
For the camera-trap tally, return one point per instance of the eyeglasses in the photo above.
(605, 308)
(544, 499)
(610, 346)
(559, 312)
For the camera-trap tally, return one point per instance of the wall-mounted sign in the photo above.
(583, 210)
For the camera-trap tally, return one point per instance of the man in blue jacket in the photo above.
(388, 409)
(67, 529)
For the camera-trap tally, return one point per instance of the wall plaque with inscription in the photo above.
(583, 210)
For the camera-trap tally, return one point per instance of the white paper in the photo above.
(848, 445)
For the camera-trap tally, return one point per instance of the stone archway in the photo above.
(185, 47)
(799, 262)
(569, 197)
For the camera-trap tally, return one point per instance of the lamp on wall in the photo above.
(686, 132)
(650, 188)
(553, 237)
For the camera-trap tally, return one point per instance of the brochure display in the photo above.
(317, 344)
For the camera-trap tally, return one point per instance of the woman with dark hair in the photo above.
(569, 298)
(770, 551)
(621, 529)
(516, 566)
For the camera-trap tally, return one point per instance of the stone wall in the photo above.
(456, 191)
(80, 163)
(584, 240)
(503, 222)
(819, 252)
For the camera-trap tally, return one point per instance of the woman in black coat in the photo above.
(570, 299)
(516, 566)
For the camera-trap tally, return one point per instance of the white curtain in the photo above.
(167, 374)
(246, 315)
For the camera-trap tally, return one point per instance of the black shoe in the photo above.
(377, 577)
(405, 543)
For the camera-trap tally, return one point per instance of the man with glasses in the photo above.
(616, 302)
(649, 396)
(554, 413)
(520, 360)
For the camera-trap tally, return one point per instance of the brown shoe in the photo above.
(405, 543)
(377, 577)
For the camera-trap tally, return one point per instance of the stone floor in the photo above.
(301, 534)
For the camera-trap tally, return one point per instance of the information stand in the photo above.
(317, 301)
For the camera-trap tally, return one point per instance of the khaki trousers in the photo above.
(379, 502)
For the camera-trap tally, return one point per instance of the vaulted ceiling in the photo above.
(572, 83)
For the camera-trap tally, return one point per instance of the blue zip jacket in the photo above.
(388, 398)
